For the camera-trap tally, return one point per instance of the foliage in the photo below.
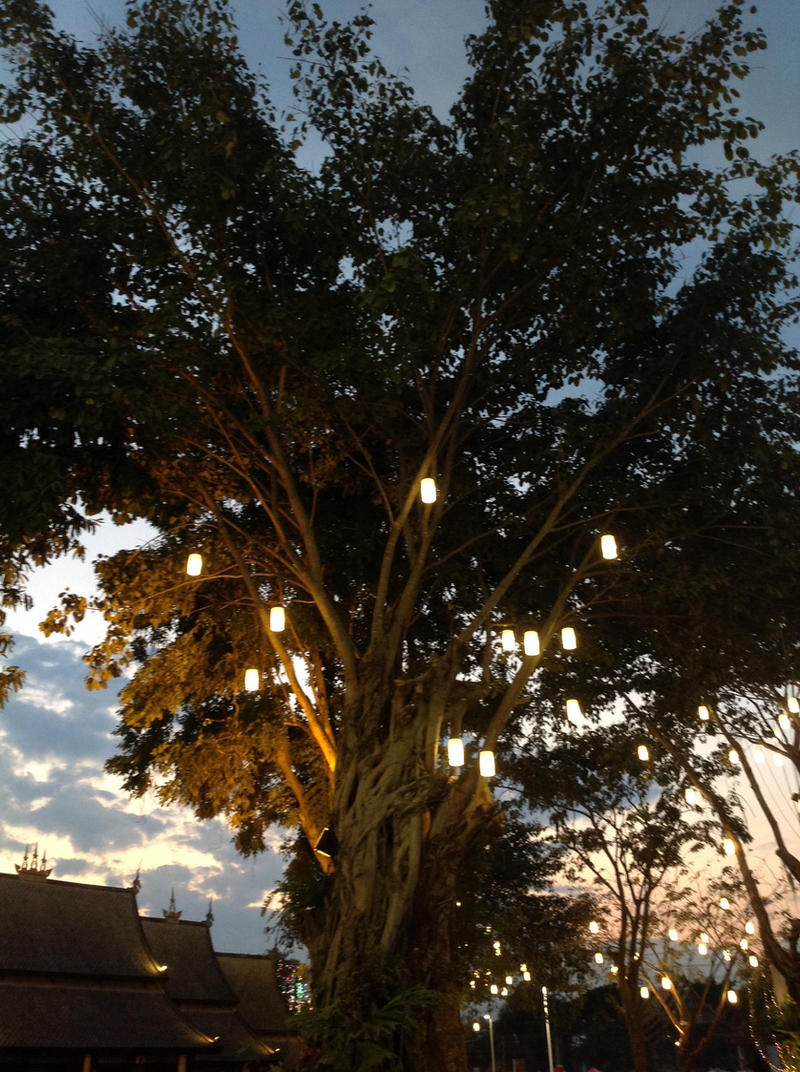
(552, 303)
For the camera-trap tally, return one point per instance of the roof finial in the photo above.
(136, 885)
(209, 915)
(171, 913)
(31, 868)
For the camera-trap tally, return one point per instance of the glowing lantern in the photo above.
(702, 949)
(703, 713)
(643, 753)
(508, 640)
(476, 1026)
(493, 989)
(608, 546)
(729, 847)
(594, 927)
(733, 997)
(704, 938)
(724, 903)
(472, 987)
(785, 723)
(530, 641)
(509, 980)
(526, 975)
(690, 793)
(523, 968)
(569, 640)
(752, 960)
(277, 619)
(673, 934)
(194, 565)
(455, 752)
(573, 711)
(486, 763)
(793, 704)
(750, 927)
(733, 756)
(744, 945)
(598, 958)
(252, 679)
(427, 489)
(504, 992)
(644, 992)
(666, 982)
(726, 954)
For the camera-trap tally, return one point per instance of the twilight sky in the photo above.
(54, 735)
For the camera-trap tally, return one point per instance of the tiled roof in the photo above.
(193, 973)
(68, 927)
(253, 980)
(90, 1017)
(236, 1041)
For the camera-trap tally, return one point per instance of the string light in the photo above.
(277, 619)
(530, 641)
(427, 489)
(252, 679)
(569, 640)
(194, 564)
(486, 763)
(608, 546)
(455, 752)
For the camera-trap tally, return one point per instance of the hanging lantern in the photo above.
(644, 992)
(504, 992)
(750, 927)
(744, 945)
(690, 793)
(793, 704)
(523, 968)
(508, 640)
(277, 619)
(526, 975)
(194, 564)
(673, 934)
(703, 713)
(724, 903)
(608, 546)
(666, 982)
(702, 949)
(785, 723)
(509, 980)
(493, 989)
(455, 752)
(569, 640)
(486, 763)
(427, 489)
(733, 756)
(733, 997)
(598, 958)
(594, 927)
(530, 641)
(752, 960)
(643, 753)
(573, 712)
(252, 679)
(726, 954)
(729, 847)
(704, 938)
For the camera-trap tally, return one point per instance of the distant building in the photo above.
(89, 985)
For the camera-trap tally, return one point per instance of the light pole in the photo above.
(476, 1027)
(547, 1028)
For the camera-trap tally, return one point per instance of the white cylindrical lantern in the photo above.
(594, 927)
(194, 564)
(703, 713)
(569, 640)
(673, 934)
(724, 904)
(793, 704)
(598, 958)
(508, 640)
(644, 992)
(750, 927)
(666, 982)
(729, 847)
(455, 752)
(486, 763)
(526, 975)
(608, 546)
(744, 945)
(530, 642)
(427, 489)
(277, 619)
(752, 960)
(493, 989)
(252, 679)
(733, 756)
(574, 711)
(509, 980)
(691, 795)
(643, 753)
(702, 949)
(733, 997)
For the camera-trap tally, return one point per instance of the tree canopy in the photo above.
(565, 306)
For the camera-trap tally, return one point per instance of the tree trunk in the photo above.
(632, 1015)
(381, 966)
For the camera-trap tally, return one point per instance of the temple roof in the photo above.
(253, 980)
(193, 973)
(68, 927)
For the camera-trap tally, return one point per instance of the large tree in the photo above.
(552, 305)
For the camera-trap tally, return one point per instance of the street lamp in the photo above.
(487, 1016)
(547, 1028)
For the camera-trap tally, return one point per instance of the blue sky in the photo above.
(55, 736)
